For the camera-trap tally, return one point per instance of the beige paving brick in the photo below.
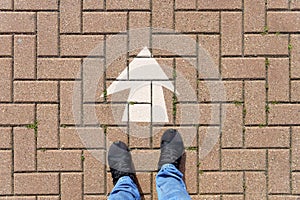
(71, 186)
(213, 90)
(232, 197)
(5, 138)
(116, 134)
(232, 130)
(144, 180)
(82, 138)
(217, 182)
(6, 4)
(17, 22)
(191, 171)
(231, 26)
(97, 22)
(295, 90)
(219, 4)
(278, 171)
(266, 44)
(93, 4)
(6, 45)
(254, 17)
(205, 197)
(255, 102)
(81, 45)
(295, 148)
(243, 159)
(255, 185)
(48, 198)
(139, 135)
(295, 4)
(37, 91)
(36, 183)
(185, 4)
(278, 79)
(127, 5)
(243, 68)
(267, 137)
(295, 58)
(47, 37)
(69, 102)
(94, 172)
(197, 22)
(36, 4)
(162, 14)
(277, 21)
(145, 160)
(6, 79)
(284, 114)
(24, 56)
(296, 183)
(209, 148)
(47, 117)
(59, 160)
(70, 12)
(17, 198)
(24, 149)
(58, 68)
(10, 114)
(95, 197)
(282, 197)
(279, 4)
(6, 172)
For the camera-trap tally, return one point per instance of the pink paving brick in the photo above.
(219, 4)
(6, 79)
(10, 114)
(295, 58)
(5, 138)
(277, 21)
(127, 4)
(6, 47)
(255, 185)
(162, 14)
(93, 4)
(71, 187)
(18, 22)
(36, 5)
(254, 15)
(70, 16)
(6, 171)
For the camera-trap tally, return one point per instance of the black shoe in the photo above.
(171, 148)
(120, 162)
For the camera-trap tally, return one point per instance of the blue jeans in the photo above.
(169, 186)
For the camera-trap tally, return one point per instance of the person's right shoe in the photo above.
(171, 148)
(120, 162)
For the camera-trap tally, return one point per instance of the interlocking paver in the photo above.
(6, 79)
(295, 59)
(255, 185)
(17, 22)
(6, 170)
(71, 186)
(36, 5)
(128, 4)
(5, 138)
(219, 4)
(277, 21)
(93, 4)
(163, 19)
(254, 15)
(70, 16)
(283, 4)
(10, 114)
(5, 48)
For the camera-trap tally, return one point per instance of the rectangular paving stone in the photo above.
(99, 22)
(82, 138)
(243, 159)
(277, 21)
(35, 91)
(256, 185)
(144, 180)
(58, 68)
(185, 4)
(232, 197)
(192, 172)
(70, 16)
(206, 22)
(24, 56)
(5, 172)
(127, 5)
(6, 4)
(282, 197)
(231, 37)
(243, 68)
(145, 160)
(93, 4)
(47, 33)
(18, 198)
(206, 197)
(295, 5)
(295, 56)
(47, 117)
(280, 4)
(5, 138)
(278, 79)
(94, 172)
(232, 130)
(219, 4)
(71, 186)
(36, 4)
(48, 198)
(254, 17)
(24, 149)
(17, 22)
(70, 100)
(59, 160)
(296, 183)
(6, 47)
(217, 182)
(279, 171)
(36, 183)
(255, 102)
(295, 148)
(295, 90)
(267, 137)
(118, 134)
(12, 114)
(6, 79)
(266, 44)
(284, 114)
(163, 10)
(81, 45)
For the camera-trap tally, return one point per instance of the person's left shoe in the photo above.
(120, 162)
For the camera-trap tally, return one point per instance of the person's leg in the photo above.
(169, 183)
(123, 173)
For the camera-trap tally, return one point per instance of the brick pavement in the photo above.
(255, 47)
